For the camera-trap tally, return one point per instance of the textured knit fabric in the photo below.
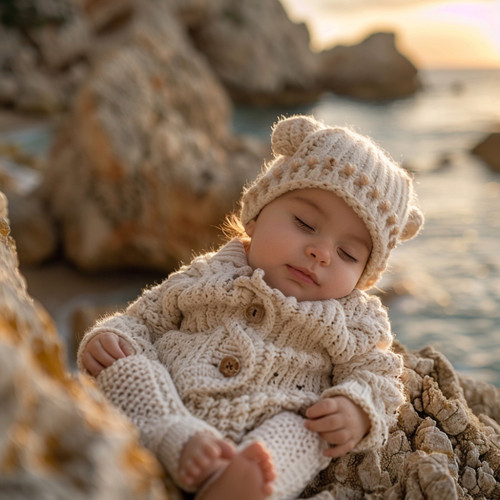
(284, 354)
(309, 154)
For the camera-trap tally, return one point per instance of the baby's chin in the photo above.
(305, 295)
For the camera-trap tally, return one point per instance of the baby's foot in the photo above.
(249, 476)
(202, 456)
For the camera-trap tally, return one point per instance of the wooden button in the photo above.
(229, 366)
(255, 313)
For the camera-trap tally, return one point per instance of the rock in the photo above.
(33, 229)
(105, 15)
(427, 477)
(373, 69)
(489, 151)
(59, 437)
(483, 398)
(430, 439)
(258, 53)
(43, 46)
(146, 167)
(62, 42)
(438, 450)
(193, 13)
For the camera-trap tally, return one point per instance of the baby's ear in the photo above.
(288, 133)
(413, 224)
(249, 227)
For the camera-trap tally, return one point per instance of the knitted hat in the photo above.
(309, 154)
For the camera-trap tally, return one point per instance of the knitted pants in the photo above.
(144, 390)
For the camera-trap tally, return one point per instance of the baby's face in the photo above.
(310, 244)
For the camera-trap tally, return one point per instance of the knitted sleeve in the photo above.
(144, 321)
(370, 375)
(296, 451)
(139, 384)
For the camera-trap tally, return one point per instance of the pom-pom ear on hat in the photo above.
(413, 224)
(288, 134)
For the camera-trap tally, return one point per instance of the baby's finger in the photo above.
(103, 356)
(227, 449)
(125, 347)
(339, 437)
(91, 364)
(327, 423)
(322, 407)
(111, 344)
(338, 451)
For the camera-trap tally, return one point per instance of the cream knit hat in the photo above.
(309, 154)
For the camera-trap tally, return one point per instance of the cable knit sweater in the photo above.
(217, 350)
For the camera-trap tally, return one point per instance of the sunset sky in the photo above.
(433, 33)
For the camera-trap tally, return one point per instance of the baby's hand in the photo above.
(338, 421)
(103, 350)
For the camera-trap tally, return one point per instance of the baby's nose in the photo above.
(320, 253)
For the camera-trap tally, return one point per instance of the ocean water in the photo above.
(451, 272)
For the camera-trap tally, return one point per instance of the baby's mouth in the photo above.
(302, 275)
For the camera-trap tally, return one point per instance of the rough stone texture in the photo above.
(259, 54)
(373, 69)
(33, 228)
(103, 15)
(41, 54)
(59, 438)
(439, 450)
(489, 150)
(146, 167)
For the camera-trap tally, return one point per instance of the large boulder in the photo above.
(373, 69)
(488, 150)
(259, 54)
(146, 167)
(59, 438)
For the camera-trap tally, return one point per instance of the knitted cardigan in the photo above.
(218, 350)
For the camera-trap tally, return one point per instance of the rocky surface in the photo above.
(58, 436)
(33, 228)
(489, 150)
(42, 55)
(260, 56)
(373, 69)
(446, 444)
